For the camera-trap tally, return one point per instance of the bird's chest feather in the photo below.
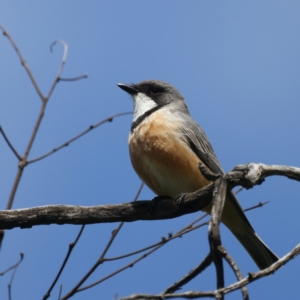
(162, 159)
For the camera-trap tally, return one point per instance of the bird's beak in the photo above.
(128, 88)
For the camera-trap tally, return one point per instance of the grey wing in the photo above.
(199, 143)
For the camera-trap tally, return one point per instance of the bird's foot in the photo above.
(154, 202)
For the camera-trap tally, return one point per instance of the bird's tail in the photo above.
(234, 218)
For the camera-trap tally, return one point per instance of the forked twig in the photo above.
(23, 159)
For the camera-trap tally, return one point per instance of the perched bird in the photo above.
(166, 146)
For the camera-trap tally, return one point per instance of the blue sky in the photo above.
(237, 64)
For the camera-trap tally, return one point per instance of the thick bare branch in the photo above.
(127, 212)
(244, 175)
(255, 173)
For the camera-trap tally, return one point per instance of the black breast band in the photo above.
(141, 118)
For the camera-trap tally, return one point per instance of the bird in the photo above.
(166, 146)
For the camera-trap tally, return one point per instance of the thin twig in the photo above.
(23, 62)
(260, 204)
(13, 266)
(60, 291)
(188, 228)
(163, 241)
(13, 275)
(100, 260)
(192, 274)
(67, 143)
(130, 265)
(74, 78)
(193, 223)
(9, 292)
(116, 231)
(63, 61)
(10, 283)
(71, 247)
(238, 190)
(10, 144)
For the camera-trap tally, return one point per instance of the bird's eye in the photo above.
(154, 91)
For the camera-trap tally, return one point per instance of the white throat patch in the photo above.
(142, 104)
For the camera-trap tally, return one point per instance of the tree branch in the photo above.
(235, 286)
(127, 212)
(244, 175)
